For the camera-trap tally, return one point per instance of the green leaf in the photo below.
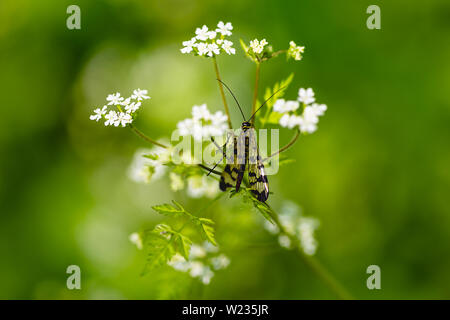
(208, 229)
(183, 245)
(152, 156)
(175, 210)
(159, 250)
(274, 118)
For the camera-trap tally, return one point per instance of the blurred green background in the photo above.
(376, 173)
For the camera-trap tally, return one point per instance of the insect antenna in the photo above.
(265, 102)
(237, 102)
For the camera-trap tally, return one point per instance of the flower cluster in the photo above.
(307, 121)
(203, 261)
(203, 124)
(295, 51)
(120, 117)
(197, 185)
(257, 50)
(210, 43)
(148, 164)
(295, 224)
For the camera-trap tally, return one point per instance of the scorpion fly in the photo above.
(244, 155)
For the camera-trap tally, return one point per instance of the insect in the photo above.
(243, 155)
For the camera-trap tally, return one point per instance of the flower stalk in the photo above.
(222, 93)
(255, 91)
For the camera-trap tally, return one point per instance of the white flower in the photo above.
(197, 251)
(143, 169)
(212, 49)
(98, 113)
(220, 262)
(224, 28)
(176, 182)
(123, 119)
(202, 33)
(111, 118)
(140, 94)
(199, 186)
(209, 247)
(284, 241)
(196, 269)
(202, 48)
(272, 228)
(258, 46)
(289, 121)
(212, 34)
(136, 239)
(114, 99)
(207, 275)
(283, 106)
(179, 263)
(306, 96)
(132, 107)
(306, 228)
(200, 112)
(319, 109)
(188, 45)
(295, 51)
(203, 124)
(308, 121)
(226, 46)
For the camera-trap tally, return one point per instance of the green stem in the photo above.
(293, 140)
(145, 137)
(222, 93)
(255, 91)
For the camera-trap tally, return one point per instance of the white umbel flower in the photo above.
(136, 239)
(224, 28)
(114, 99)
(202, 186)
(283, 106)
(227, 47)
(98, 113)
(306, 95)
(210, 43)
(132, 107)
(139, 94)
(295, 51)
(308, 121)
(306, 229)
(111, 118)
(189, 45)
(202, 261)
(203, 124)
(212, 49)
(143, 169)
(258, 46)
(123, 119)
(202, 33)
(319, 109)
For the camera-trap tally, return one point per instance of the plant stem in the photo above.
(222, 93)
(293, 140)
(255, 91)
(321, 272)
(145, 137)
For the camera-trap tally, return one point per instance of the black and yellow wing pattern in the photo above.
(245, 155)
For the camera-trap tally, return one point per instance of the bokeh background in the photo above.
(376, 173)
